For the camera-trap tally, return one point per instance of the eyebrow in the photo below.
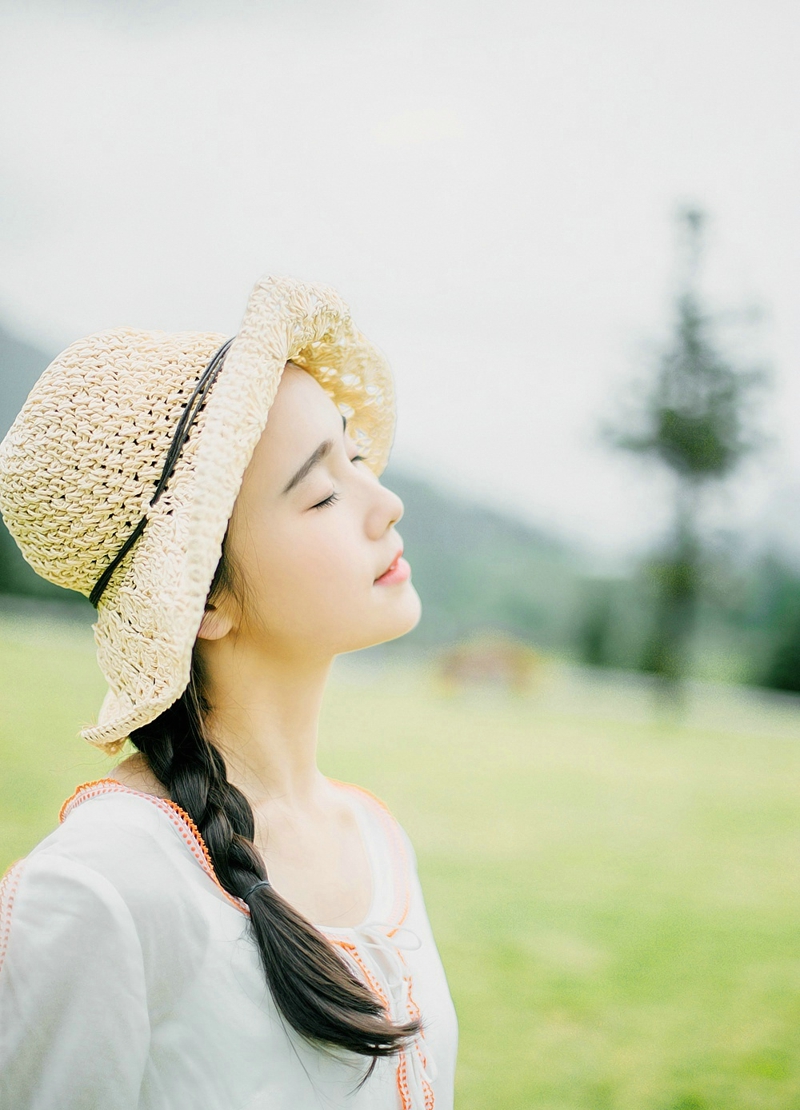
(316, 457)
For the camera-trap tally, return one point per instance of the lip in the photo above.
(397, 571)
(397, 555)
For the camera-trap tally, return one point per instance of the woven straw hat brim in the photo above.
(150, 613)
(284, 320)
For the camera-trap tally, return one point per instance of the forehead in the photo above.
(300, 418)
(300, 396)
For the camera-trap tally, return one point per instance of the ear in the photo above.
(215, 624)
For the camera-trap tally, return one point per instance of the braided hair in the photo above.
(309, 981)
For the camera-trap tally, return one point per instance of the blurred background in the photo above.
(574, 230)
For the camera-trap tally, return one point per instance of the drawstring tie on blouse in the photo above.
(380, 945)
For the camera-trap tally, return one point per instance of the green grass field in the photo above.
(616, 901)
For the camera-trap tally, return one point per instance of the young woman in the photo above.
(216, 925)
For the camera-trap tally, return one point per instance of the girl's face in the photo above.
(311, 531)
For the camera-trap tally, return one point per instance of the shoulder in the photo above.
(401, 858)
(111, 844)
(56, 883)
(52, 902)
(375, 806)
(117, 830)
(117, 876)
(73, 981)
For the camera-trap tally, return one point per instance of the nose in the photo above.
(387, 510)
(398, 507)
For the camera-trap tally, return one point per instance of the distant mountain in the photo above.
(474, 567)
(20, 366)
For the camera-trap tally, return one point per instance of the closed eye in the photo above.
(335, 496)
(328, 501)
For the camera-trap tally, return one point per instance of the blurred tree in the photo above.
(6, 561)
(694, 418)
(595, 630)
(781, 617)
(783, 668)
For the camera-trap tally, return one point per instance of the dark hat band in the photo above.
(188, 417)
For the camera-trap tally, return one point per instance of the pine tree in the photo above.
(695, 420)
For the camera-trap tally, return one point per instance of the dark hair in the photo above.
(310, 982)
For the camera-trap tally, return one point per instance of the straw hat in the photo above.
(79, 466)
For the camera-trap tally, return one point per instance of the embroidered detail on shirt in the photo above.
(184, 824)
(403, 1087)
(373, 984)
(402, 896)
(414, 1010)
(413, 1086)
(8, 890)
(194, 840)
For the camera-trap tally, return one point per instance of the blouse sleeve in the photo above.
(74, 1026)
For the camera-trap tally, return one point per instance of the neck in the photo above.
(265, 721)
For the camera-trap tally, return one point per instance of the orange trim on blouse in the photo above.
(8, 890)
(400, 861)
(186, 827)
(193, 839)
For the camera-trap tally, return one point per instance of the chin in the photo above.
(404, 617)
(411, 611)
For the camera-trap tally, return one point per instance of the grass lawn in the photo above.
(616, 901)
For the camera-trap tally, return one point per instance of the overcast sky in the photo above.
(490, 185)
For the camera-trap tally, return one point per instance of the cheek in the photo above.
(299, 574)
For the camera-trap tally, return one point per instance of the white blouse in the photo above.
(128, 978)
